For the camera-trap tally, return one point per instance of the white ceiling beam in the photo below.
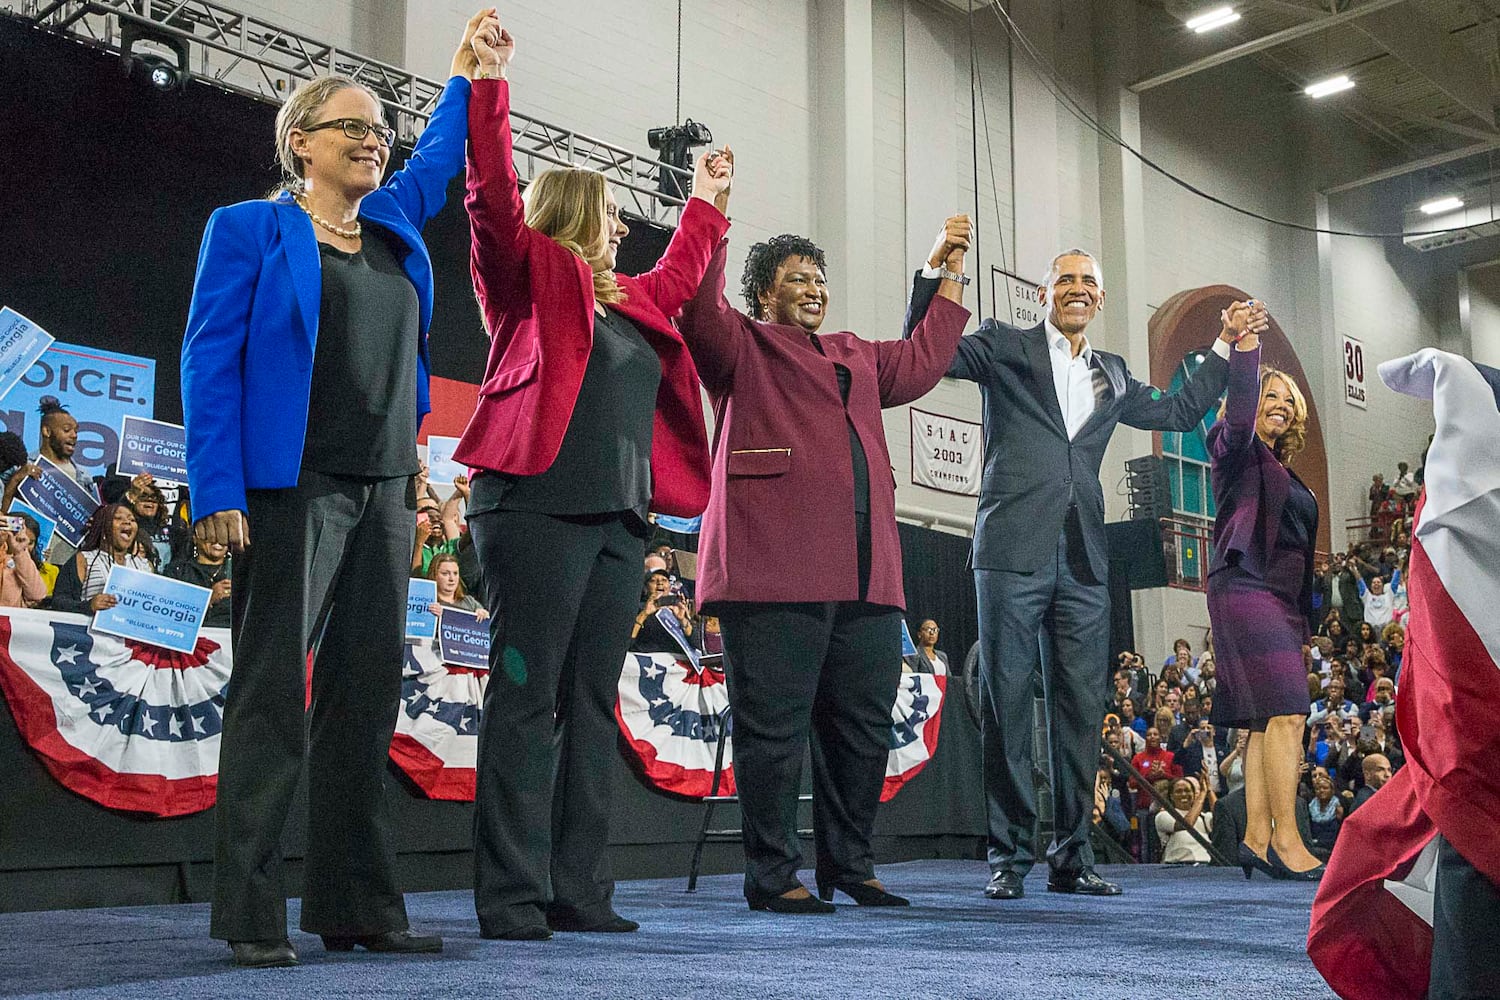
(1270, 41)
(1411, 167)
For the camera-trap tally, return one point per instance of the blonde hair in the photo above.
(1294, 438)
(301, 110)
(566, 204)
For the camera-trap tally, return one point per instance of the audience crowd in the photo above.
(1160, 722)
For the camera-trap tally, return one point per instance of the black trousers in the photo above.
(330, 557)
(1069, 608)
(1465, 912)
(562, 593)
(831, 668)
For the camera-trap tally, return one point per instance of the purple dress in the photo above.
(1260, 579)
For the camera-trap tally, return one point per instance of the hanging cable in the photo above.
(989, 151)
(1051, 79)
(974, 148)
(678, 117)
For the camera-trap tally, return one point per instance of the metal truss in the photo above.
(251, 56)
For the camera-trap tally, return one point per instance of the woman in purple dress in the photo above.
(1259, 591)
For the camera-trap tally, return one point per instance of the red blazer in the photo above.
(538, 304)
(780, 523)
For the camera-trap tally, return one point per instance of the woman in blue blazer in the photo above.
(304, 380)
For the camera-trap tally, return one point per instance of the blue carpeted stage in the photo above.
(1176, 933)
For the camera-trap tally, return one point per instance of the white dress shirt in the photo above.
(1078, 384)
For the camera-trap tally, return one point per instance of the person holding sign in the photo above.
(326, 284)
(109, 540)
(589, 416)
(450, 588)
(1259, 594)
(813, 642)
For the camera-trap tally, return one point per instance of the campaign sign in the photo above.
(58, 497)
(908, 648)
(21, 343)
(463, 639)
(156, 610)
(441, 469)
(152, 446)
(44, 523)
(420, 623)
(674, 629)
(97, 386)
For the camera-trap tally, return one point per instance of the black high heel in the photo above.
(1286, 874)
(806, 905)
(1250, 862)
(863, 894)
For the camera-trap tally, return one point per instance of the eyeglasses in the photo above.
(357, 128)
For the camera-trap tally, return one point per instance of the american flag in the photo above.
(1371, 931)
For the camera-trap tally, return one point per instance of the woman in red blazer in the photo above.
(589, 416)
(799, 555)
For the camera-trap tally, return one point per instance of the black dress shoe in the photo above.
(1006, 885)
(263, 954)
(805, 905)
(862, 893)
(396, 942)
(612, 924)
(525, 932)
(1281, 872)
(1084, 882)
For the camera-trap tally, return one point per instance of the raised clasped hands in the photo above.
(952, 243)
(1243, 323)
(486, 49)
(713, 176)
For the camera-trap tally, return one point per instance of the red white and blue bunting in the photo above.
(671, 713)
(129, 726)
(437, 733)
(915, 719)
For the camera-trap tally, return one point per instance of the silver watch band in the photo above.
(962, 279)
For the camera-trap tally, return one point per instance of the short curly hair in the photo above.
(763, 260)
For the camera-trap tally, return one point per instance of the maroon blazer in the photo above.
(538, 303)
(780, 522)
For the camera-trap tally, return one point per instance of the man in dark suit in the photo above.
(1051, 402)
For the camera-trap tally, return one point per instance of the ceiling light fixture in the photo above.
(1441, 205)
(1216, 18)
(1332, 85)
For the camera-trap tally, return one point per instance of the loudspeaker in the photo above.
(1136, 546)
(1150, 491)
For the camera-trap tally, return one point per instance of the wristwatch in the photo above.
(962, 279)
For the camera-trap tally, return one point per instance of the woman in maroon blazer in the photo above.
(588, 416)
(1259, 590)
(799, 555)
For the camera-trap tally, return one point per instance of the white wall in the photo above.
(772, 78)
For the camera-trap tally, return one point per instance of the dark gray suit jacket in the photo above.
(1032, 472)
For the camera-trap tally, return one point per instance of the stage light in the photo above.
(1216, 18)
(163, 75)
(160, 71)
(675, 143)
(1332, 85)
(1441, 205)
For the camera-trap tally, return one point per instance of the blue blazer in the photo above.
(247, 355)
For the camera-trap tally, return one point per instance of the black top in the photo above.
(856, 450)
(1299, 518)
(362, 419)
(199, 574)
(604, 464)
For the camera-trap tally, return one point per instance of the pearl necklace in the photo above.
(348, 234)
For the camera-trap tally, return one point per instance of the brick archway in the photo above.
(1188, 321)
